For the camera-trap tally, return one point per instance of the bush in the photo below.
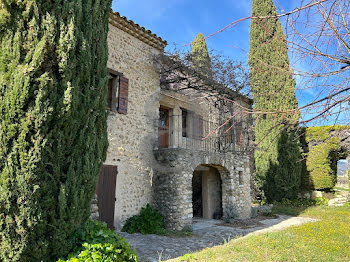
(321, 164)
(230, 213)
(99, 244)
(149, 221)
(321, 201)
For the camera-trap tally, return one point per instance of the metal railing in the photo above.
(191, 131)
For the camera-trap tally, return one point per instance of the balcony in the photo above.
(192, 132)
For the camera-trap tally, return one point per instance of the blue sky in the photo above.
(179, 21)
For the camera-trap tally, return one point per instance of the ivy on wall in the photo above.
(322, 150)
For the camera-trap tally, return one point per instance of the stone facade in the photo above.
(131, 136)
(148, 173)
(173, 183)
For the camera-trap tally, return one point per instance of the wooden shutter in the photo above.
(123, 95)
(197, 126)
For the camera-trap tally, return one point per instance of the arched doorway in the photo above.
(207, 192)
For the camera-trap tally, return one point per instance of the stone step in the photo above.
(339, 201)
(337, 205)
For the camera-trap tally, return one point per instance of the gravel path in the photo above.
(206, 233)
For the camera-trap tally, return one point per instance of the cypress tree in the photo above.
(53, 137)
(273, 89)
(200, 56)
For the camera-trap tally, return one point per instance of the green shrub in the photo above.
(149, 221)
(321, 201)
(321, 164)
(99, 244)
(322, 150)
(53, 122)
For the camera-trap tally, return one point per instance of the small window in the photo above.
(184, 123)
(118, 92)
(240, 177)
(113, 92)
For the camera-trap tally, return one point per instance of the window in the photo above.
(240, 177)
(113, 92)
(184, 122)
(118, 91)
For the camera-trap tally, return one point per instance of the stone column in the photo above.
(175, 127)
(174, 198)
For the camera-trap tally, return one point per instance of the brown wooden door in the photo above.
(106, 194)
(163, 130)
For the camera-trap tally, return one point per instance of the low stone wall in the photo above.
(172, 183)
(342, 181)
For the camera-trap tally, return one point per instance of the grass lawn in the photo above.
(325, 240)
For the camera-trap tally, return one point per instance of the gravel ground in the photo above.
(206, 233)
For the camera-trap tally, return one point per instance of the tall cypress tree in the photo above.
(200, 56)
(53, 137)
(273, 89)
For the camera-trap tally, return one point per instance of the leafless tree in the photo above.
(319, 42)
(318, 38)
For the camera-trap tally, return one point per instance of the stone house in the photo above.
(157, 153)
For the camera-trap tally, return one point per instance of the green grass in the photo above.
(325, 240)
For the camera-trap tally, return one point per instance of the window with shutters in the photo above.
(118, 91)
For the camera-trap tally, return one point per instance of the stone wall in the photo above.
(132, 136)
(165, 181)
(173, 183)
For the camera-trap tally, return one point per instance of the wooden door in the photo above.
(106, 194)
(163, 130)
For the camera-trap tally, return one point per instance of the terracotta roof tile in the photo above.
(137, 31)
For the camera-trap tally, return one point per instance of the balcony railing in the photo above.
(191, 132)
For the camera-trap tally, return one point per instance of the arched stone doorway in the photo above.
(207, 192)
(173, 189)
